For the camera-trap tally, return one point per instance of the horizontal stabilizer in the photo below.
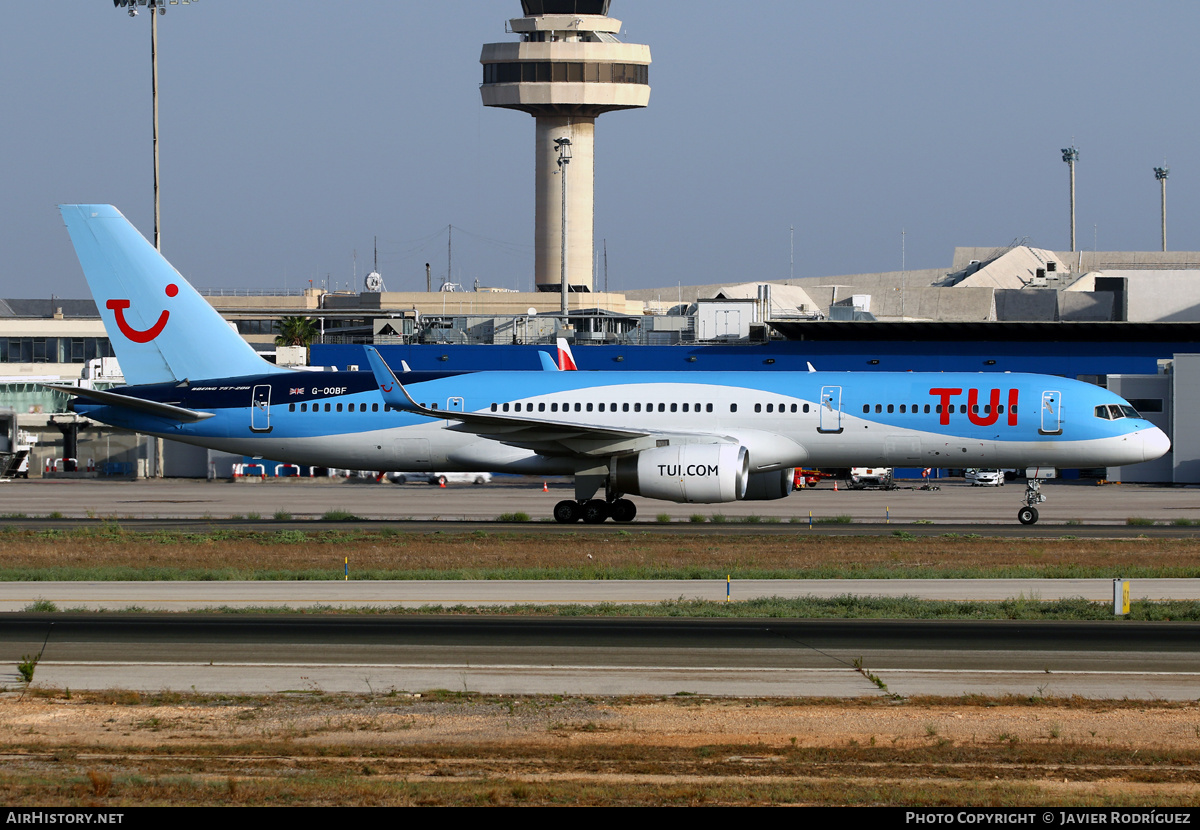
(162, 410)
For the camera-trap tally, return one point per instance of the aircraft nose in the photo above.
(1155, 444)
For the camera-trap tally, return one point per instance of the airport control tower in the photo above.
(568, 68)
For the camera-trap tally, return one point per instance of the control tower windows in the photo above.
(565, 72)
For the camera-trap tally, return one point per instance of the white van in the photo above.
(861, 477)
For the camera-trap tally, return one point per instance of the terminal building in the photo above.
(1132, 324)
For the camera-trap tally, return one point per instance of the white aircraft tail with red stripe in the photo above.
(566, 360)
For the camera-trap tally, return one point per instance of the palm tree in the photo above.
(296, 331)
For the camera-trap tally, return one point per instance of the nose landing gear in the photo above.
(1028, 514)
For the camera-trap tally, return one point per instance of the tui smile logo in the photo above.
(143, 336)
(386, 387)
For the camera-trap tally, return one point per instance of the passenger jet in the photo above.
(686, 437)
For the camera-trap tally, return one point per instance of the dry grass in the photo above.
(29, 555)
(94, 749)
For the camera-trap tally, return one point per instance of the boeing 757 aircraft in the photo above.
(694, 437)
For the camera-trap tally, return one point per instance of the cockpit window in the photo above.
(1113, 412)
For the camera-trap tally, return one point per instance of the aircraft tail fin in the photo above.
(160, 327)
(566, 360)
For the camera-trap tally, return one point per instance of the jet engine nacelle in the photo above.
(687, 474)
(776, 484)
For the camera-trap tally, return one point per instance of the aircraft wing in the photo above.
(538, 434)
(162, 410)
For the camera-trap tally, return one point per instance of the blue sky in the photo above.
(295, 131)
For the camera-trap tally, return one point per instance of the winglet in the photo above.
(393, 391)
(810, 368)
(548, 364)
(566, 360)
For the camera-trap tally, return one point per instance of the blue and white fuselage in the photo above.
(685, 437)
(784, 419)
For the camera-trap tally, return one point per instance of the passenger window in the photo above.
(291, 407)
(624, 407)
(541, 407)
(709, 408)
(578, 408)
(901, 409)
(674, 407)
(304, 407)
(733, 407)
(878, 408)
(554, 407)
(866, 408)
(589, 407)
(327, 407)
(891, 408)
(374, 407)
(758, 407)
(806, 407)
(637, 407)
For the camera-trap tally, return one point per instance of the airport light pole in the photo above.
(156, 7)
(1161, 173)
(563, 145)
(1070, 155)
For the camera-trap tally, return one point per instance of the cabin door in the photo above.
(260, 409)
(831, 409)
(1051, 413)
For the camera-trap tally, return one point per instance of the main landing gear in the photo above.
(1028, 514)
(594, 511)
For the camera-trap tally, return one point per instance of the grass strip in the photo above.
(110, 553)
(845, 607)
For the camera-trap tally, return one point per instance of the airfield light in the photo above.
(161, 7)
(1071, 155)
(1161, 174)
(563, 145)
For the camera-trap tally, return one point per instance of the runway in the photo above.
(507, 655)
(230, 653)
(1072, 507)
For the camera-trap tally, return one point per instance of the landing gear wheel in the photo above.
(1027, 515)
(567, 512)
(595, 511)
(623, 510)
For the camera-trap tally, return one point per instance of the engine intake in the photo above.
(686, 474)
